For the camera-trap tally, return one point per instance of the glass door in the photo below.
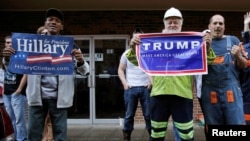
(81, 109)
(109, 105)
(99, 96)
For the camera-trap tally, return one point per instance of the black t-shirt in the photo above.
(11, 83)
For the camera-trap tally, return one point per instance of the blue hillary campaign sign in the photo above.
(171, 54)
(41, 54)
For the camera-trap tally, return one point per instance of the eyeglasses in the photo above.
(7, 42)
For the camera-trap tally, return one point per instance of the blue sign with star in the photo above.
(41, 54)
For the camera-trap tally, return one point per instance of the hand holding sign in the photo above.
(7, 52)
(135, 41)
(78, 55)
(207, 38)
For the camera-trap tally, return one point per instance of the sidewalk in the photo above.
(113, 132)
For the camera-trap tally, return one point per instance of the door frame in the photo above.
(91, 77)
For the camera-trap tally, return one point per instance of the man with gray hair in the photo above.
(172, 95)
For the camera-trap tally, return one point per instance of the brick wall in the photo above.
(113, 22)
(116, 22)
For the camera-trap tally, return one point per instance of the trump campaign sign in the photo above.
(41, 54)
(171, 54)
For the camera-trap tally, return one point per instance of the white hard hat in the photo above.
(172, 12)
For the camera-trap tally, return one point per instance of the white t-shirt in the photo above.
(134, 75)
(198, 79)
(1, 82)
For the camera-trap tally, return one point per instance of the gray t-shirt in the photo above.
(49, 86)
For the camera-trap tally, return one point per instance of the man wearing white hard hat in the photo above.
(172, 95)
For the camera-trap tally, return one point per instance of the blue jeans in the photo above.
(131, 98)
(37, 115)
(176, 134)
(15, 105)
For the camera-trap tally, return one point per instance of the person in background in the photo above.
(137, 85)
(221, 97)
(14, 97)
(245, 73)
(51, 93)
(47, 132)
(172, 95)
(1, 97)
(1, 84)
(42, 30)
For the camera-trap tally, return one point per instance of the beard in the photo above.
(171, 30)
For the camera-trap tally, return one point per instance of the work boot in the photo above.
(126, 135)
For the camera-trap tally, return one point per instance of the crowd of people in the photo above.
(222, 91)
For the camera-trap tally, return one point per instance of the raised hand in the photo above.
(246, 21)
